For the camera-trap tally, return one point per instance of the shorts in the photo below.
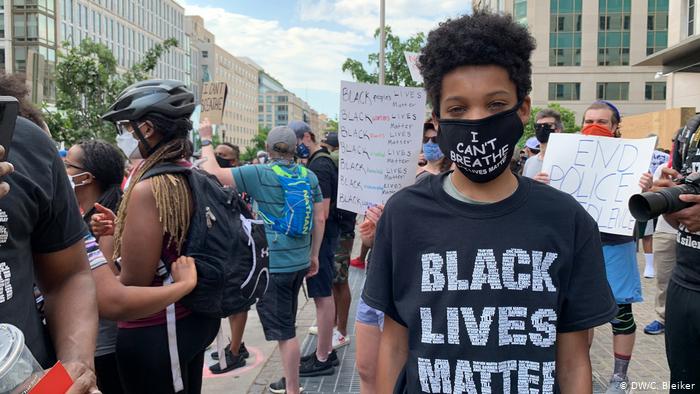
(342, 258)
(623, 274)
(278, 307)
(368, 315)
(321, 284)
(645, 229)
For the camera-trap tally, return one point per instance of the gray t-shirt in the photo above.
(533, 166)
(452, 191)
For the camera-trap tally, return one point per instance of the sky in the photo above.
(303, 43)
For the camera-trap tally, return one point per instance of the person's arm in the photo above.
(71, 310)
(573, 363)
(142, 238)
(393, 353)
(210, 165)
(317, 236)
(119, 302)
(326, 205)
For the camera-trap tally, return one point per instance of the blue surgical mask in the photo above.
(303, 151)
(432, 152)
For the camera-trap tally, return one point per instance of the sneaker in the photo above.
(357, 263)
(654, 328)
(649, 272)
(618, 385)
(241, 350)
(313, 367)
(333, 358)
(313, 330)
(280, 387)
(339, 340)
(232, 362)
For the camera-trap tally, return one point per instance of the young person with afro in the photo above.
(486, 304)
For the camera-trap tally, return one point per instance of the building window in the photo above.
(2, 59)
(691, 17)
(657, 25)
(520, 11)
(205, 54)
(565, 33)
(655, 91)
(614, 32)
(612, 90)
(564, 91)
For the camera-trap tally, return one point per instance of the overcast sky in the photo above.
(303, 43)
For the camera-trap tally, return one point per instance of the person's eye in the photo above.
(456, 110)
(496, 105)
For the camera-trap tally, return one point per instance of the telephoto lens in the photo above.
(647, 206)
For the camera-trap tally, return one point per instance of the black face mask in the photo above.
(223, 163)
(481, 149)
(542, 132)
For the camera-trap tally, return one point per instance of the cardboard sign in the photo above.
(412, 61)
(601, 173)
(380, 135)
(214, 101)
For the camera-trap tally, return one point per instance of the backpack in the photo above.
(297, 217)
(229, 247)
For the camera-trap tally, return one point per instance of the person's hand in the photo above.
(205, 130)
(666, 179)
(374, 213)
(688, 217)
(184, 270)
(84, 379)
(313, 268)
(5, 169)
(542, 177)
(421, 160)
(367, 231)
(646, 182)
(102, 223)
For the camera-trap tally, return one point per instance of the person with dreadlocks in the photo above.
(152, 119)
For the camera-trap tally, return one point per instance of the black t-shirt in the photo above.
(686, 273)
(39, 215)
(327, 174)
(484, 289)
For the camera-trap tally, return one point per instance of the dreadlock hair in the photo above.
(171, 191)
(106, 165)
(14, 85)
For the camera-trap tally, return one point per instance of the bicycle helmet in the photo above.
(169, 98)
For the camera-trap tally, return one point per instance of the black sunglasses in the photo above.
(433, 139)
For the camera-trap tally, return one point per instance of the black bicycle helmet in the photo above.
(166, 97)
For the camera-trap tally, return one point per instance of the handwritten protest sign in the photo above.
(412, 61)
(381, 128)
(601, 173)
(213, 101)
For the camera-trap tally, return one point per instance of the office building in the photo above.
(201, 45)
(587, 49)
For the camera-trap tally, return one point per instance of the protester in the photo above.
(683, 293)
(479, 95)
(532, 148)
(435, 160)
(664, 246)
(42, 243)
(152, 118)
(547, 121)
(228, 155)
(320, 286)
(292, 257)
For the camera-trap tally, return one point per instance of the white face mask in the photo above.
(83, 183)
(129, 145)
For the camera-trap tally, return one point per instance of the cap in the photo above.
(299, 127)
(331, 139)
(532, 143)
(282, 135)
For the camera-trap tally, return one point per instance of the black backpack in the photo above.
(229, 247)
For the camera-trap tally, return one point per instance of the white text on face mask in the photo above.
(484, 161)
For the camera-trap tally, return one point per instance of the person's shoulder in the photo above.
(551, 201)
(416, 195)
(28, 135)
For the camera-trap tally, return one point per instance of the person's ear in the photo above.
(524, 110)
(436, 123)
(147, 129)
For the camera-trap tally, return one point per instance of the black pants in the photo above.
(108, 374)
(144, 359)
(683, 337)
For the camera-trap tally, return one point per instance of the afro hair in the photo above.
(483, 38)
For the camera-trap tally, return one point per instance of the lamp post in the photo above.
(382, 42)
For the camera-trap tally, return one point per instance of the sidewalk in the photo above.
(648, 361)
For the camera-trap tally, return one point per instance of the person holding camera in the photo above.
(683, 293)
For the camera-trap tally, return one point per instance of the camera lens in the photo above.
(647, 206)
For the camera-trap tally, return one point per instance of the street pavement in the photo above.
(648, 369)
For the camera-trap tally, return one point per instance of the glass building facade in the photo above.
(614, 32)
(657, 26)
(565, 33)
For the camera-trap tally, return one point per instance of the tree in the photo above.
(396, 69)
(331, 125)
(87, 83)
(568, 119)
(258, 144)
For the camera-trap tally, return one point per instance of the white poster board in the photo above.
(412, 61)
(380, 135)
(214, 101)
(601, 173)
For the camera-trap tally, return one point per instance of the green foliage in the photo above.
(568, 119)
(87, 83)
(258, 144)
(332, 125)
(396, 69)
